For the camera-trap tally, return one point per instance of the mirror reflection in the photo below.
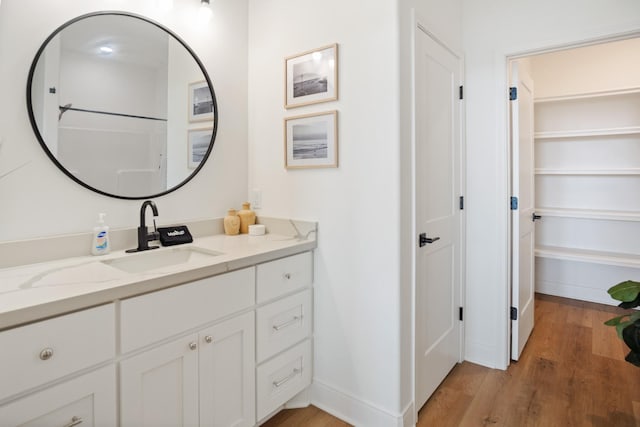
(122, 105)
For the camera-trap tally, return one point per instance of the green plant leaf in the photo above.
(615, 321)
(625, 291)
(623, 321)
(630, 304)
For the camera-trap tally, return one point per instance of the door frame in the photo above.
(418, 24)
(505, 60)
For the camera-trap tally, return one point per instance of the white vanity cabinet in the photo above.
(37, 355)
(224, 351)
(86, 401)
(205, 377)
(283, 331)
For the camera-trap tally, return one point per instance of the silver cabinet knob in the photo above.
(46, 354)
(193, 346)
(287, 276)
(208, 339)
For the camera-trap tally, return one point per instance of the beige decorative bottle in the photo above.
(247, 217)
(231, 223)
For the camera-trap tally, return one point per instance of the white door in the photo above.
(523, 211)
(227, 374)
(438, 188)
(159, 387)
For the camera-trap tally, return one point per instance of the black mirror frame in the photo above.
(55, 160)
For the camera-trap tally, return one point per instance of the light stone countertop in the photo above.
(38, 291)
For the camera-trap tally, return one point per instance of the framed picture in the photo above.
(311, 77)
(198, 142)
(311, 141)
(200, 102)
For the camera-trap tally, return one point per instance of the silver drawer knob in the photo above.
(46, 354)
(208, 339)
(193, 345)
(287, 276)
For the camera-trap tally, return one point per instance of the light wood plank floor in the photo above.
(572, 373)
(307, 417)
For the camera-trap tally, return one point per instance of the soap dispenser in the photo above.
(101, 244)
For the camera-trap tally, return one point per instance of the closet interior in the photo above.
(587, 169)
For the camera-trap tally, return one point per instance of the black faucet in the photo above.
(143, 236)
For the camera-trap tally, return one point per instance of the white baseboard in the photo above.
(574, 292)
(409, 417)
(356, 411)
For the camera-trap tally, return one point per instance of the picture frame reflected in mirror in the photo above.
(200, 102)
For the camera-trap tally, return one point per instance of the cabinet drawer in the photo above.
(40, 352)
(152, 317)
(282, 377)
(285, 275)
(282, 324)
(88, 400)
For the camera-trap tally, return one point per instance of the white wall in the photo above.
(600, 67)
(493, 30)
(357, 261)
(39, 200)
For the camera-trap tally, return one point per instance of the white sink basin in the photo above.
(160, 258)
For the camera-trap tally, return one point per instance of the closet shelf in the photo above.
(609, 215)
(587, 95)
(591, 256)
(588, 172)
(587, 133)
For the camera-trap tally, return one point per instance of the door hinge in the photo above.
(461, 202)
(461, 313)
(513, 93)
(461, 92)
(514, 313)
(514, 203)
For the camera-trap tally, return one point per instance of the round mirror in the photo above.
(122, 105)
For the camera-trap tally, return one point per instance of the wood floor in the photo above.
(572, 373)
(306, 417)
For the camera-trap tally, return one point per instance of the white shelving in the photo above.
(587, 181)
(588, 95)
(589, 214)
(587, 133)
(588, 172)
(590, 256)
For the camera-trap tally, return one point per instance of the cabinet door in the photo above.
(227, 373)
(89, 400)
(160, 387)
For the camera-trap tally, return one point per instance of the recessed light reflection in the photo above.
(106, 49)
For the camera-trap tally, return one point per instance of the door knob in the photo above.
(424, 239)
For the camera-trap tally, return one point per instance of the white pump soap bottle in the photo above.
(101, 244)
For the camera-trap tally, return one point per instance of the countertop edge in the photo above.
(46, 310)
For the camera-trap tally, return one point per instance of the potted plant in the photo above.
(628, 325)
